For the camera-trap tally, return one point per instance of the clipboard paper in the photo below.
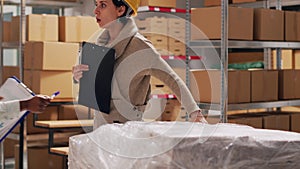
(13, 89)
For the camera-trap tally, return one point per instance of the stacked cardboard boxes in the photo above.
(38, 28)
(289, 82)
(206, 84)
(240, 22)
(292, 26)
(176, 33)
(48, 65)
(166, 34)
(82, 32)
(159, 3)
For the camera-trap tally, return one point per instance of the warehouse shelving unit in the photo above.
(224, 44)
(178, 12)
(22, 137)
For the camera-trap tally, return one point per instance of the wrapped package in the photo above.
(177, 145)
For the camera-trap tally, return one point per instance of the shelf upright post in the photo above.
(224, 61)
(187, 43)
(2, 160)
(1, 40)
(23, 130)
(187, 40)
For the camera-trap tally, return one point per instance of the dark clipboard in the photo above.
(95, 85)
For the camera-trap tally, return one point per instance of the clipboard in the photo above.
(13, 89)
(95, 85)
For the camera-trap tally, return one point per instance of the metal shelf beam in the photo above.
(244, 44)
(245, 106)
(272, 3)
(52, 4)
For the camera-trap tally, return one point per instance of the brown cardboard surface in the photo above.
(295, 125)
(244, 57)
(172, 110)
(296, 59)
(240, 23)
(154, 25)
(50, 113)
(289, 82)
(38, 27)
(158, 41)
(213, 2)
(205, 86)
(48, 55)
(9, 71)
(252, 120)
(264, 85)
(38, 157)
(73, 112)
(286, 59)
(9, 145)
(268, 24)
(48, 82)
(6, 31)
(243, 1)
(75, 29)
(277, 121)
(292, 26)
(159, 3)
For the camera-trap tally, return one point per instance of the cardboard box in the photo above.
(75, 29)
(286, 60)
(50, 55)
(158, 41)
(243, 1)
(38, 27)
(38, 157)
(74, 112)
(214, 2)
(268, 24)
(9, 145)
(296, 59)
(292, 26)
(47, 82)
(152, 25)
(176, 47)
(295, 125)
(252, 120)
(176, 23)
(240, 23)
(245, 57)
(6, 31)
(206, 86)
(9, 71)
(176, 28)
(289, 82)
(277, 121)
(264, 85)
(50, 113)
(159, 3)
(172, 110)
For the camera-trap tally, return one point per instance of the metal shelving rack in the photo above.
(22, 137)
(224, 44)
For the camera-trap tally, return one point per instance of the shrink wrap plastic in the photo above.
(177, 145)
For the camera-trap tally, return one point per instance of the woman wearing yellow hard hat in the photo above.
(136, 60)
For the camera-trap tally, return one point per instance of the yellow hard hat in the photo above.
(134, 5)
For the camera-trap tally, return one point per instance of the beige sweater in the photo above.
(136, 61)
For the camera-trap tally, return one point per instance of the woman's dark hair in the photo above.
(119, 3)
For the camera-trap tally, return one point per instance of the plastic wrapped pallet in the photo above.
(183, 145)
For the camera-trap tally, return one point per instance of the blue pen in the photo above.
(54, 95)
